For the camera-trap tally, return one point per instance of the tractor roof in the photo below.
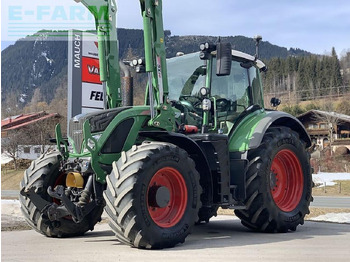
(235, 53)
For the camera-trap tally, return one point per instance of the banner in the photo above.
(85, 90)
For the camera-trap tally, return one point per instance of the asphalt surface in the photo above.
(10, 193)
(319, 201)
(223, 239)
(331, 202)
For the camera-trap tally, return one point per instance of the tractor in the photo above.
(202, 141)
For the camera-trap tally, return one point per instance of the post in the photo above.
(325, 187)
(339, 187)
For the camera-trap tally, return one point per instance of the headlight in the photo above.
(91, 143)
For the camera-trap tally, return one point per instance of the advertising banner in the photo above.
(85, 90)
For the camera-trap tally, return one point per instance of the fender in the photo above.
(194, 151)
(250, 131)
(278, 118)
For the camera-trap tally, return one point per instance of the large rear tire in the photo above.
(278, 183)
(153, 196)
(41, 174)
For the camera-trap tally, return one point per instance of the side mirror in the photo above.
(275, 102)
(223, 59)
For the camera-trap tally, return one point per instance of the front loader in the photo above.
(203, 140)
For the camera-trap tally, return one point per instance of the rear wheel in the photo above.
(153, 196)
(278, 183)
(42, 173)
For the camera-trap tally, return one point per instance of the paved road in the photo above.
(328, 202)
(223, 239)
(9, 193)
(331, 202)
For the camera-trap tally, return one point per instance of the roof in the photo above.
(236, 54)
(342, 117)
(14, 122)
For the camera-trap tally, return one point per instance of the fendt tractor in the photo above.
(201, 141)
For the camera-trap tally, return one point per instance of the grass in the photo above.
(11, 178)
(341, 188)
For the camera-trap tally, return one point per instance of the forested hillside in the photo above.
(306, 78)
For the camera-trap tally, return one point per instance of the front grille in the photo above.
(76, 132)
(98, 122)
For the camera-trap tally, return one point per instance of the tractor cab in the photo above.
(194, 81)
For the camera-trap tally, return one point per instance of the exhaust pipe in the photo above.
(126, 85)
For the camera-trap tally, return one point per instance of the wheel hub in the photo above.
(159, 196)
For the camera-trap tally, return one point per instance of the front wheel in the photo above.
(45, 172)
(153, 196)
(278, 183)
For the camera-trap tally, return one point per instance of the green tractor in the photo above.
(203, 140)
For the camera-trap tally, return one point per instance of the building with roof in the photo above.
(327, 128)
(35, 130)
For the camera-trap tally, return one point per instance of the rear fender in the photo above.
(278, 118)
(250, 132)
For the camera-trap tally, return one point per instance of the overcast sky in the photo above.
(312, 25)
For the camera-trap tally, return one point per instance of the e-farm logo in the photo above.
(52, 13)
(21, 21)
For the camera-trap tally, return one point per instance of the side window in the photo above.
(256, 86)
(26, 150)
(37, 150)
(234, 87)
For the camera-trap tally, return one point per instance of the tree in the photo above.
(10, 144)
(39, 133)
(59, 105)
(336, 78)
(36, 104)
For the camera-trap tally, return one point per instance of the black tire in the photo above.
(132, 215)
(42, 173)
(278, 183)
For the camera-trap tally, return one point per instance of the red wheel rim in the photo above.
(286, 180)
(173, 181)
(59, 181)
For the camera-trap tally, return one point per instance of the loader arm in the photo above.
(162, 115)
(104, 12)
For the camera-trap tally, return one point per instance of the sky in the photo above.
(312, 25)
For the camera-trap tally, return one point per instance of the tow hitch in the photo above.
(55, 211)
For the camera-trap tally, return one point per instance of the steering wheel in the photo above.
(188, 98)
(223, 104)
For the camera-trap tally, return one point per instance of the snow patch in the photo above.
(5, 159)
(329, 178)
(333, 217)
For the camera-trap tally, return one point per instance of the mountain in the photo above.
(40, 60)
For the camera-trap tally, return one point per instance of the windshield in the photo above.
(228, 96)
(186, 75)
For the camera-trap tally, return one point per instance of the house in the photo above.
(327, 127)
(31, 132)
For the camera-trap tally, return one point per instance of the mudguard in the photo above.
(278, 118)
(249, 133)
